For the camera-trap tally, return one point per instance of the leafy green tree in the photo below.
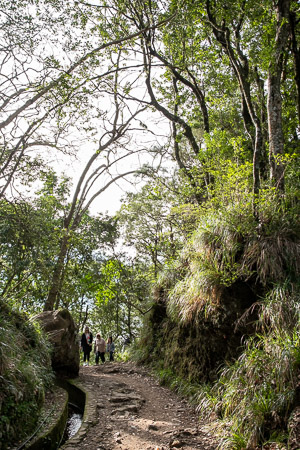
(122, 298)
(150, 226)
(30, 241)
(237, 50)
(88, 188)
(30, 238)
(90, 246)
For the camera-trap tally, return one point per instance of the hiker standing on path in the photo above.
(86, 345)
(99, 348)
(110, 348)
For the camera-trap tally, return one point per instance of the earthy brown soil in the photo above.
(133, 412)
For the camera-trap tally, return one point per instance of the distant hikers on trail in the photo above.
(110, 348)
(99, 348)
(86, 345)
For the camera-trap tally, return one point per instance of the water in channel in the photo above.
(73, 423)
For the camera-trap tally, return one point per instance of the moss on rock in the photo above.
(25, 374)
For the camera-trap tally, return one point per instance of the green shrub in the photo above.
(237, 272)
(25, 374)
(254, 397)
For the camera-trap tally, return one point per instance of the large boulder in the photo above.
(61, 330)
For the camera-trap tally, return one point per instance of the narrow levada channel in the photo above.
(76, 406)
(74, 422)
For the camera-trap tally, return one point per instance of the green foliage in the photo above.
(30, 235)
(179, 385)
(25, 374)
(255, 395)
(125, 356)
(229, 245)
(150, 225)
(122, 295)
(198, 233)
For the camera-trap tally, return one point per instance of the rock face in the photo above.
(199, 348)
(294, 429)
(61, 330)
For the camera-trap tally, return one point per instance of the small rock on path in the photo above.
(129, 410)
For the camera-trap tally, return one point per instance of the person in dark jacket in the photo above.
(86, 345)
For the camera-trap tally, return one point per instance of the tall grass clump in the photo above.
(230, 245)
(228, 309)
(181, 386)
(254, 397)
(212, 262)
(25, 374)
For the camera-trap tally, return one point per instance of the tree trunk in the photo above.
(57, 274)
(240, 66)
(296, 55)
(129, 322)
(117, 317)
(85, 317)
(276, 138)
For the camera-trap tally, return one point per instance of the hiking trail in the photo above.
(127, 409)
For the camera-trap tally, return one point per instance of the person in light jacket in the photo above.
(110, 348)
(86, 345)
(99, 348)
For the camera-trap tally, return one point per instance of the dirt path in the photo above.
(129, 410)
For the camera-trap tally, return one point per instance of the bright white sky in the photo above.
(110, 200)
